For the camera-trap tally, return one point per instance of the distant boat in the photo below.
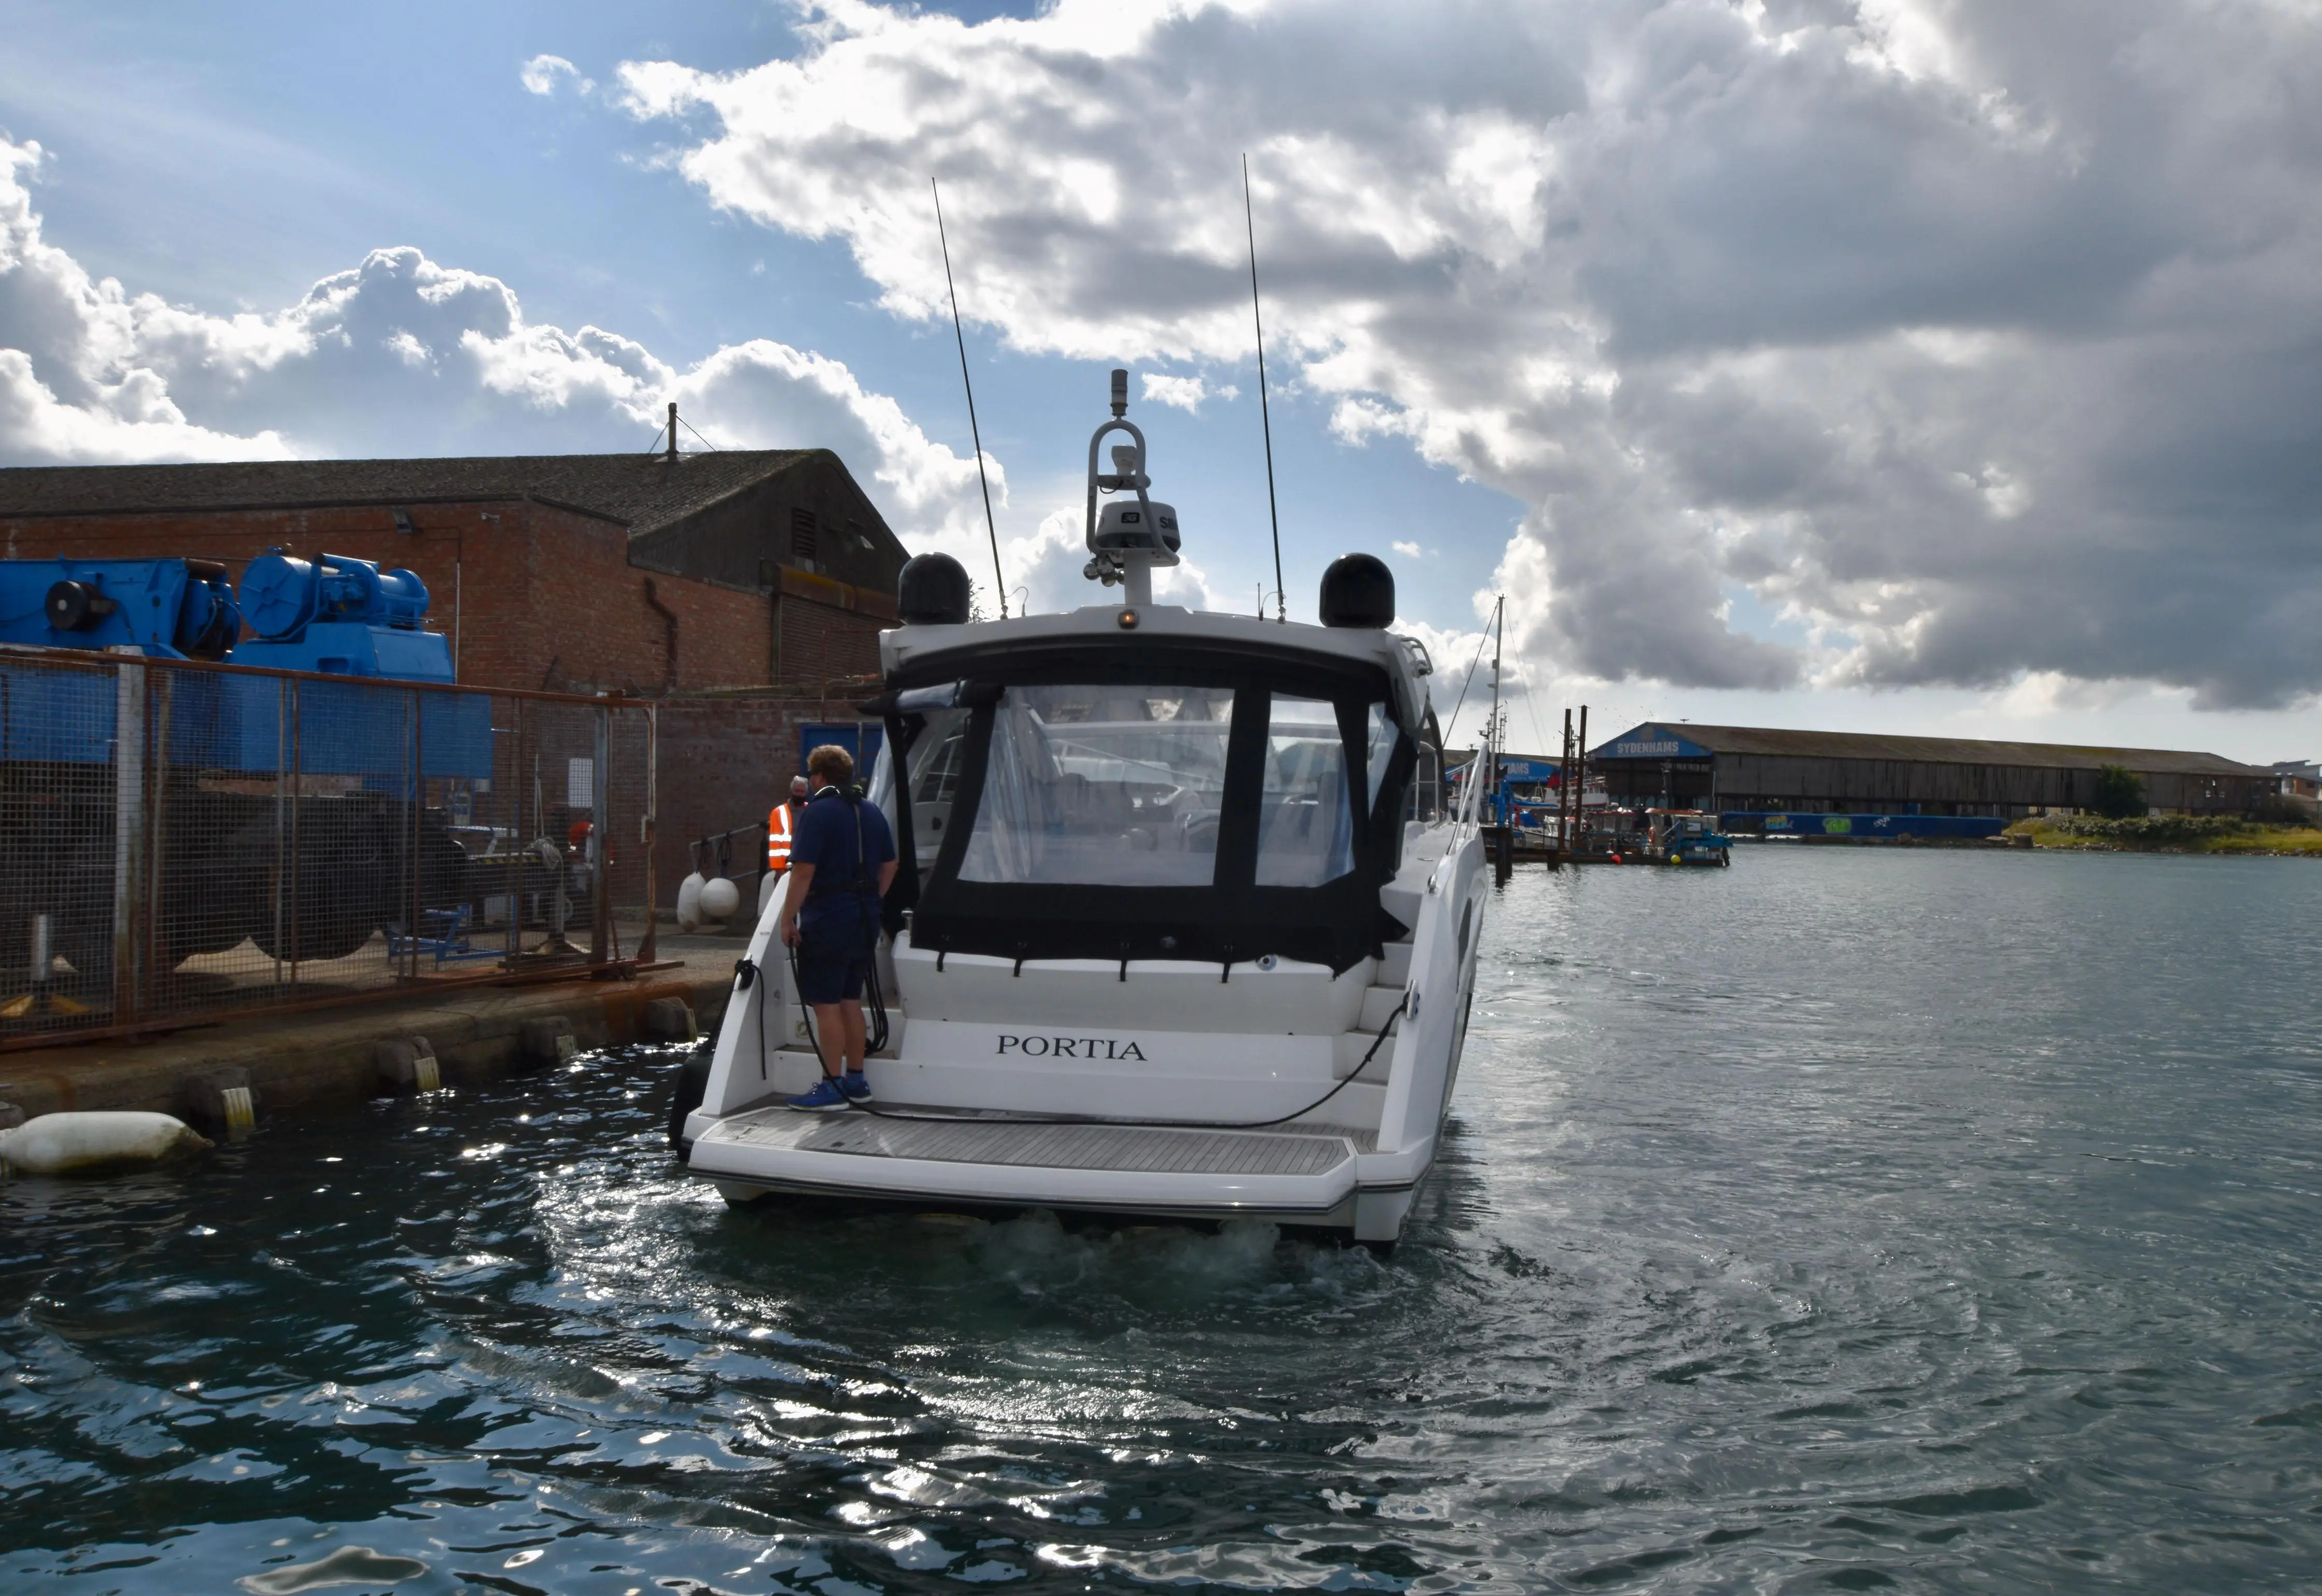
(1686, 836)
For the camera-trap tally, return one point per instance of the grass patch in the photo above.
(2171, 834)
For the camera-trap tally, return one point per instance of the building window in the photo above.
(858, 537)
(802, 535)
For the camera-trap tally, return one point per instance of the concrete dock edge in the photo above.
(291, 1061)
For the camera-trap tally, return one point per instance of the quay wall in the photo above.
(296, 1061)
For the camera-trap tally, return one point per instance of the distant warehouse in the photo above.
(1755, 768)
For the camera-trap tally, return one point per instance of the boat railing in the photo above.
(1468, 819)
(1427, 785)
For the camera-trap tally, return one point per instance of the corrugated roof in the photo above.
(642, 491)
(1942, 751)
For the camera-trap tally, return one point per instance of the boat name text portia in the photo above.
(1071, 1047)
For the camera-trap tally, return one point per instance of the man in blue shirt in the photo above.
(842, 860)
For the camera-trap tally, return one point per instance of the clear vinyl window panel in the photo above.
(1379, 747)
(938, 758)
(1306, 825)
(1103, 786)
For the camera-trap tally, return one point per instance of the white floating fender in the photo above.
(719, 900)
(86, 1141)
(688, 903)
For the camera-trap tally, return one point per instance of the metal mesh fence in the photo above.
(180, 840)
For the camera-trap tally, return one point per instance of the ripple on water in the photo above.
(1844, 1220)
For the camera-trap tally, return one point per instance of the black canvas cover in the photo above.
(1231, 918)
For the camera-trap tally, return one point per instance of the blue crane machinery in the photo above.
(344, 830)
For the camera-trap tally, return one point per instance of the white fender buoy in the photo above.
(62, 1144)
(688, 903)
(719, 900)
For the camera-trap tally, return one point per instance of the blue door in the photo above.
(861, 739)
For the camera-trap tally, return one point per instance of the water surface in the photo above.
(1845, 1220)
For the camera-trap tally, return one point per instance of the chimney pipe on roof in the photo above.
(672, 432)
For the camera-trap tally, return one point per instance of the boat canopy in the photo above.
(1124, 798)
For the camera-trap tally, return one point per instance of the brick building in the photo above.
(744, 589)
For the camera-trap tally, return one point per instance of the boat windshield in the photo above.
(1104, 786)
(1306, 832)
(1249, 806)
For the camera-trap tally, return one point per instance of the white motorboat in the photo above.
(1184, 925)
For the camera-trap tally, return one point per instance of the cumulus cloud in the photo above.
(1408, 551)
(545, 74)
(79, 380)
(1969, 339)
(1186, 393)
(401, 355)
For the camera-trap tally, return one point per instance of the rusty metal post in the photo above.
(516, 840)
(128, 828)
(297, 804)
(648, 825)
(1564, 798)
(540, 825)
(158, 964)
(418, 791)
(1580, 764)
(281, 819)
(601, 899)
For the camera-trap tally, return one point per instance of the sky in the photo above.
(1934, 366)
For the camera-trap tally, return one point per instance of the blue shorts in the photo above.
(832, 964)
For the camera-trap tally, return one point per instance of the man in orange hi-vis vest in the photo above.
(782, 821)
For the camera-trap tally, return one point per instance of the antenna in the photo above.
(998, 580)
(1492, 730)
(1265, 418)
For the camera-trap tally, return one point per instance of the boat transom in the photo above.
(1150, 1149)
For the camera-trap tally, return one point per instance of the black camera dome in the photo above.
(1357, 590)
(933, 592)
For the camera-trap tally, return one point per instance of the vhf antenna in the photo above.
(1492, 726)
(998, 580)
(1264, 419)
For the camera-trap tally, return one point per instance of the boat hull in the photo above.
(1144, 1090)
